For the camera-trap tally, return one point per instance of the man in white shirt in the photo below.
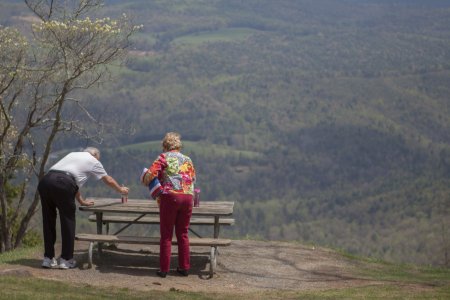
(58, 190)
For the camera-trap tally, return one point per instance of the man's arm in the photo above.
(108, 180)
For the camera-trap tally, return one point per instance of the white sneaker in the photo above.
(49, 263)
(67, 264)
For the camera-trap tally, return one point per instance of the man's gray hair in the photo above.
(93, 151)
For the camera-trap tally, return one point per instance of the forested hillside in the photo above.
(327, 122)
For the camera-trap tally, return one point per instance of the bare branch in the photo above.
(86, 111)
(85, 6)
(41, 8)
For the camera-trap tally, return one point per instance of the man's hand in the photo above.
(124, 190)
(113, 184)
(85, 203)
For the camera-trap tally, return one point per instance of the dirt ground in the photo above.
(245, 266)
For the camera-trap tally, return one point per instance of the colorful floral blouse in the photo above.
(171, 172)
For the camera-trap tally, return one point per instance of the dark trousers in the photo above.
(57, 191)
(175, 211)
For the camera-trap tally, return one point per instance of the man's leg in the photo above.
(65, 202)
(48, 217)
(67, 218)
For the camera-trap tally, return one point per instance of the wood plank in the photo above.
(140, 206)
(155, 220)
(103, 238)
(148, 202)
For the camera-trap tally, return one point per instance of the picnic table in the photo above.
(138, 211)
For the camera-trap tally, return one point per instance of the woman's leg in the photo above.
(167, 216)
(181, 230)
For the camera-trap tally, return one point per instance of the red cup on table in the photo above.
(124, 197)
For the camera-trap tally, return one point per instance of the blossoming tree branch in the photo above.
(66, 49)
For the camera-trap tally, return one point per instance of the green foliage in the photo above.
(326, 121)
(32, 238)
(350, 128)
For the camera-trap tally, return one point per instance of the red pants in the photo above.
(175, 210)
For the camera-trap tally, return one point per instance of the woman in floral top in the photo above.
(171, 180)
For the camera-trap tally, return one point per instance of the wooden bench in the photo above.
(105, 238)
(107, 219)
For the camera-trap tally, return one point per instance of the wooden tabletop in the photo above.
(114, 205)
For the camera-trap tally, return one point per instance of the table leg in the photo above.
(216, 227)
(198, 235)
(129, 224)
(99, 218)
(212, 261)
(91, 246)
(216, 236)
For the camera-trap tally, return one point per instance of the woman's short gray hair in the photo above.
(172, 141)
(93, 151)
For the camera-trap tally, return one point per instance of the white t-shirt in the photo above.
(81, 165)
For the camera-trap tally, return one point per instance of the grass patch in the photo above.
(33, 288)
(11, 256)
(378, 292)
(379, 270)
(199, 148)
(222, 35)
(144, 37)
(407, 274)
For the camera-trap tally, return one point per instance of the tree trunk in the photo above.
(32, 209)
(5, 236)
